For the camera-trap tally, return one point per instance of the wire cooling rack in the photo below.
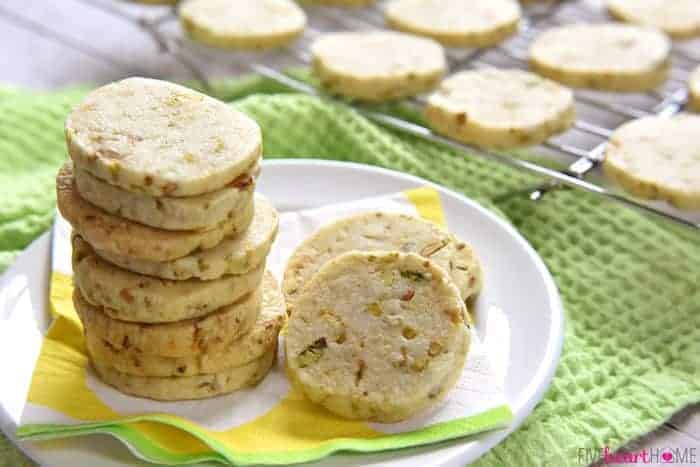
(579, 150)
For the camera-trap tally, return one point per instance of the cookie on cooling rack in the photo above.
(377, 66)
(679, 19)
(459, 23)
(379, 231)
(658, 158)
(129, 296)
(242, 24)
(255, 344)
(118, 236)
(500, 108)
(612, 57)
(162, 139)
(694, 90)
(234, 255)
(369, 320)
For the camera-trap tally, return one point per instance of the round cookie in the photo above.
(246, 24)
(613, 57)
(210, 333)
(155, 137)
(119, 236)
(128, 296)
(658, 158)
(399, 65)
(237, 255)
(188, 387)
(694, 90)
(679, 19)
(378, 231)
(500, 108)
(166, 212)
(260, 340)
(375, 336)
(456, 23)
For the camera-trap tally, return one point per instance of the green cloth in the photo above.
(630, 285)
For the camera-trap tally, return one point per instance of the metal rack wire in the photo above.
(580, 149)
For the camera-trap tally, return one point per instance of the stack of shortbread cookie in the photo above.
(170, 241)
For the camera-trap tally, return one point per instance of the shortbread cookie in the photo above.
(155, 137)
(500, 108)
(679, 19)
(457, 23)
(261, 340)
(244, 24)
(377, 231)
(166, 212)
(376, 336)
(658, 158)
(237, 255)
(129, 296)
(119, 236)
(377, 66)
(187, 387)
(210, 333)
(694, 90)
(612, 57)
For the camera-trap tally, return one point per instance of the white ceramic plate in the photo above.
(516, 281)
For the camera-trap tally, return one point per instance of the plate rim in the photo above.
(544, 373)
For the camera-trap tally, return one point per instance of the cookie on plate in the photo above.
(166, 212)
(210, 333)
(500, 108)
(259, 341)
(377, 66)
(128, 296)
(658, 158)
(118, 236)
(242, 24)
(236, 255)
(186, 387)
(155, 137)
(378, 231)
(679, 19)
(694, 90)
(456, 23)
(613, 57)
(377, 336)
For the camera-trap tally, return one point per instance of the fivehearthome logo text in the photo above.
(649, 456)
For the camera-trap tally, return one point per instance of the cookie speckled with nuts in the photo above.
(235, 255)
(209, 333)
(128, 296)
(118, 236)
(186, 387)
(500, 108)
(658, 158)
(246, 24)
(259, 341)
(167, 212)
(399, 65)
(456, 23)
(379, 231)
(377, 336)
(614, 57)
(159, 138)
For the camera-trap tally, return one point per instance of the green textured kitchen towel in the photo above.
(631, 287)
